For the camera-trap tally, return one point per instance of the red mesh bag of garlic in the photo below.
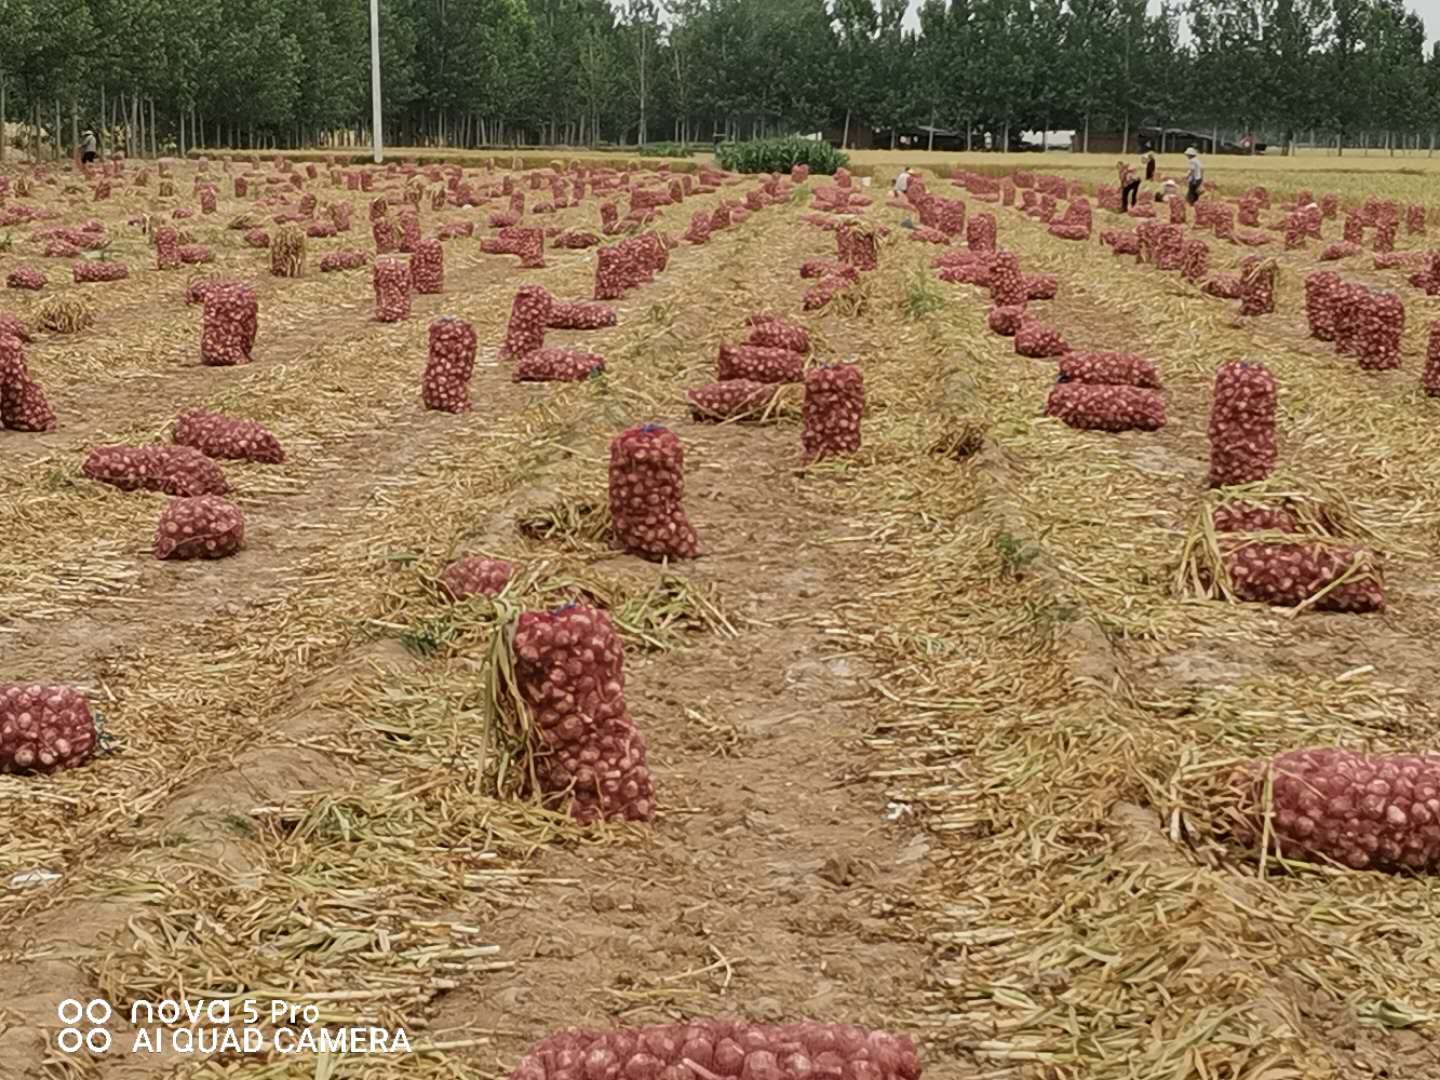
(1242, 425)
(834, 406)
(1041, 286)
(1354, 230)
(1038, 340)
(333, 261)
(409, 227)
(1379, 328)
(1257, 286)
(570, 667)
(717, 1049)
(387, 241)
(229, 324)
(44, 728)
(391, 278)
(775, 333)
(219, 436)
(1121, 241)
(651, 253)
(174, 470)
(320, 230)
(1430, 379)
(580, 315)
(825, 290)
(1007, 284)
(1109, 369)
(614, 272)
(1415, 219)
(427, 267)
(475, 576)
(257, 238)
(1006, 320)
(759, 363)
(194, 254)
(980, 232)
(699, 231)
(1168, 247)
(1385, 235)
(11, 326)
(1320, 298)
(1105, 407)
(203, 527)
(822, 268)
(25, 277)
(445, 385)
(1349, 301)
(1340, 250)
(731, 399)
(1288, 574)
(923, 235)
(529, 315)
(1195, 261)
(167, 248)
(98, 270)
(566, 364)
(1177, 211)
(647, 487)
(1329, 805)
(23, 406)
(1225, 286)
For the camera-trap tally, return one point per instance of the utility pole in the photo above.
(379, 146)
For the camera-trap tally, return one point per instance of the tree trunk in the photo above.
(1085, 144)
(1125, 137)
(1005, 146)
(930, 143)
(154, 136)
(57, 129)
(845, 135)
(3, 114)
(74, 129)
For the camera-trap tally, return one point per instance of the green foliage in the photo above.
(922, 297)
(778, 155)
(666, 150)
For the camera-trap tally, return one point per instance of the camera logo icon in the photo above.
(95, 1037)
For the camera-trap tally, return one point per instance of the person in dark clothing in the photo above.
(1129, 185)
(1149, 165)
(88, 146)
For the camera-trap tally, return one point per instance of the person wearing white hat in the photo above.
(1195, 177)
(87, 146)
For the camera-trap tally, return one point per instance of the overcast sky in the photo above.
(1429, 10)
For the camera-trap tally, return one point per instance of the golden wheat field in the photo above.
(940, 729)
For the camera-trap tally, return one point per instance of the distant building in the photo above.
(1162, 140)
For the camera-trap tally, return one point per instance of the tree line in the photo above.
(166, 75)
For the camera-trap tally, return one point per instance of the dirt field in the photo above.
(930, 733)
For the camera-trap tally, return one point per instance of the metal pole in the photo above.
(375, 79)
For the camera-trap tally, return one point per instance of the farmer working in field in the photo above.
(87, 146)
(1149, 165)
(1195, 177)
(902, 183)
(1129, 184)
